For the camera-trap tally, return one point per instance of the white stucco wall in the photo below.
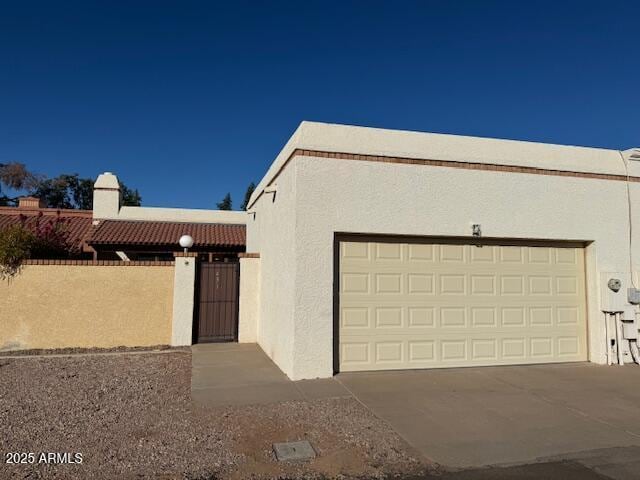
(295, 235)
(249, 311)
(437, 201)
(184, 281)
(272, 234)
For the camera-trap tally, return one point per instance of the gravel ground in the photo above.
(131, 416)
(66, 351)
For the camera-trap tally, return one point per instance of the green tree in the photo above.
(226, 203)
(247, 196)
(15, 176)
(130, 197)
(81, 191)
(55, 192)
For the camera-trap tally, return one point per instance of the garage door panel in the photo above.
(484, 349)
(568, 346)
(484, 255)
(361, 318)
(421, 317)
(480, 281)
(452, 351)
(484, 317)
(421, 253)
(539, 255)
(421, 351)
(387, 251)
(452, 253)
(356, 355)
(355, 283)
(355, 250)
(388, 283)
(419, 283)
(420, 306)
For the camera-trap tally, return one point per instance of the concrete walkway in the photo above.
(225, 374)
(471, 417)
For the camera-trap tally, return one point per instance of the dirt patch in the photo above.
(348, 440)
(131, 416)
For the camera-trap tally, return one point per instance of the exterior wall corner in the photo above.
(249, 310)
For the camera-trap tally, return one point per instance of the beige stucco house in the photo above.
(127, 282)
(382, 249)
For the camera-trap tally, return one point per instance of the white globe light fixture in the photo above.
(186, 242)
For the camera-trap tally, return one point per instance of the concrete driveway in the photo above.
(471, 417)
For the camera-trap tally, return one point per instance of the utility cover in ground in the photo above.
(294, 451)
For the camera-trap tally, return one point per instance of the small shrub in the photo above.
(33, 238)
(51, 239)
(15, 248)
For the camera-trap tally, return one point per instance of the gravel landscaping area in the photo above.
(67, 351)
(131, 416)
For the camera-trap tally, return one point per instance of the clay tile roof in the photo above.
(77, 222)
(125, 232)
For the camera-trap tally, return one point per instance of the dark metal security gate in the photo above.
(217, 314)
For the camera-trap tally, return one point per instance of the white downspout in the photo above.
(607, 336)
(618, 324)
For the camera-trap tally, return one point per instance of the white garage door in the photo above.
(408, 305)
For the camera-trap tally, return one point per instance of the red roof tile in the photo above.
(77, 222)
(126, 232)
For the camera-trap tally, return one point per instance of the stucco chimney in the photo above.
(30, 202)
(106, 196)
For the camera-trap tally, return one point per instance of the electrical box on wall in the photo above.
(614, 298)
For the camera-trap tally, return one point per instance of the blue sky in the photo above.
(188, 100)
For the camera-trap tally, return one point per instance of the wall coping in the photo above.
(249, 255)
(101, 263)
